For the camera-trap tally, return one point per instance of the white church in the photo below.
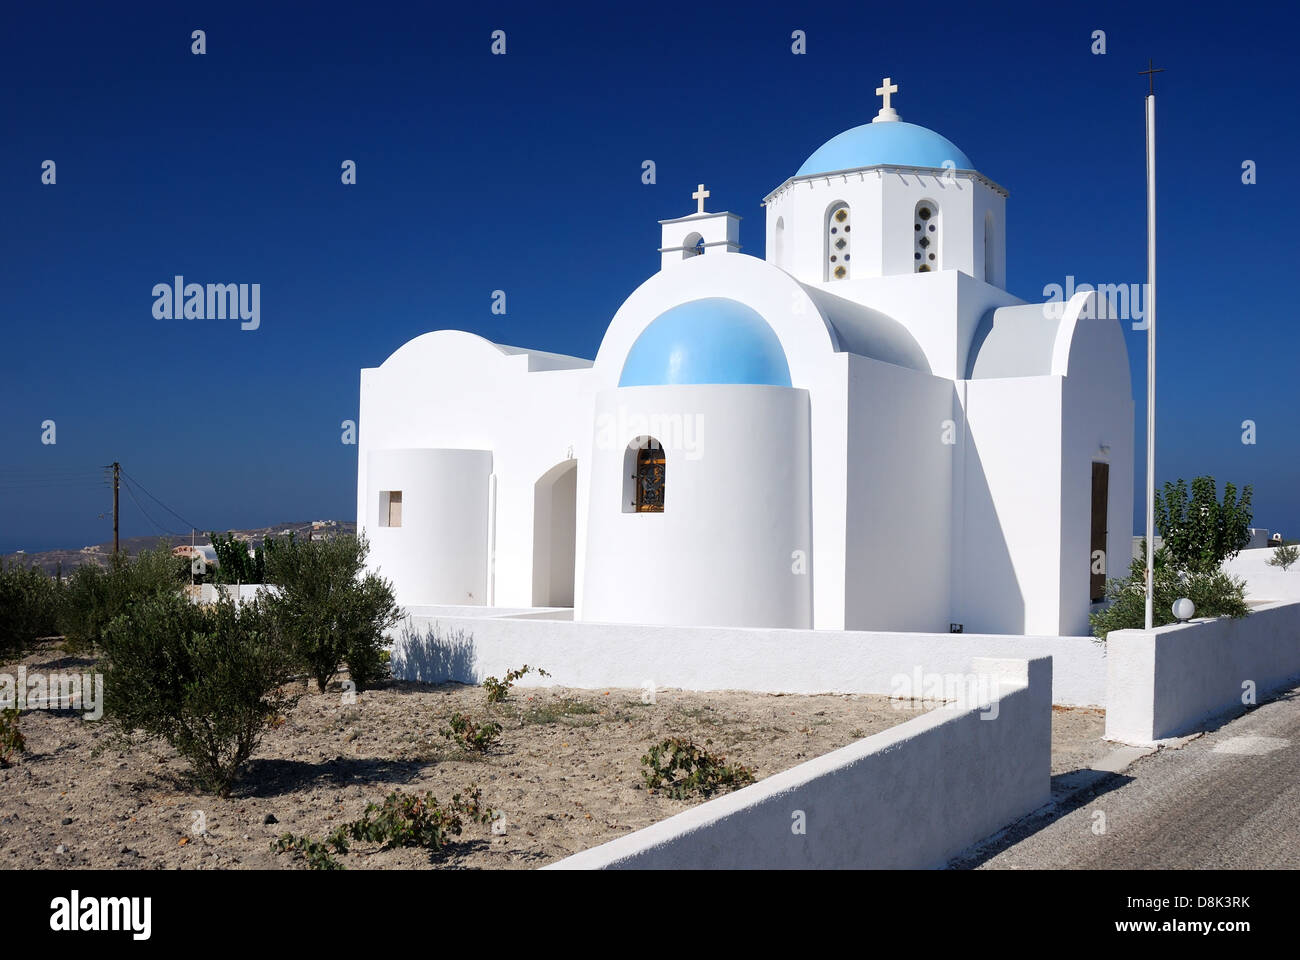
(863, 430)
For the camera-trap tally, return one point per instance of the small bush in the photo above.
(318, 854)
(681, 769)
(234, 563)
(407, 820)
(329, 610)
(204, 679)
(499, 690)
(1200, 532)
(1215, 594)
(401, 820)
(470, 736)
(11, 738)
(29, 607)
(1284, 556)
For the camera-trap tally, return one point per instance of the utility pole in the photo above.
(117, 471)
(1150, 73)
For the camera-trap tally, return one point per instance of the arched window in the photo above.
(990, 250)
(645, 465)
(925, 228)
(838, 228)
(692, 246)
(778, 242)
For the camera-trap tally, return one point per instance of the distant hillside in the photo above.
(68, 560)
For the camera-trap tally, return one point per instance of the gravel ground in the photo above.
(566, 773)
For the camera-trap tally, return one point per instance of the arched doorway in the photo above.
(555, 524)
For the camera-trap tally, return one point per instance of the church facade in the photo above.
(864, 430)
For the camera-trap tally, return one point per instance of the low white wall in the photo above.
(1262, 581)
(240, 593)
(910, 797)
(434, 648)
(1168, 681)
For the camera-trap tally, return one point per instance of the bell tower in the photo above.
(699, 233)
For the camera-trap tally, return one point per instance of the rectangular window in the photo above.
(390, 508)
(1097, 560)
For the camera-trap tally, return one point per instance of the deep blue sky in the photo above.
(522, 173)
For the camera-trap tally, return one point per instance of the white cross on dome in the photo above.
(883, 91)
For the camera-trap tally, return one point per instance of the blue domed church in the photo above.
(862, 430)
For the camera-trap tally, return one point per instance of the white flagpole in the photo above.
(1151, 350)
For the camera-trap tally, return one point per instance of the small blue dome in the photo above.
(713, 340)
(892, 142)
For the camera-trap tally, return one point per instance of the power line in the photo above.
(192, 526)
(159, 526)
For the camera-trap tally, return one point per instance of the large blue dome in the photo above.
(713, 340)
(892, 143)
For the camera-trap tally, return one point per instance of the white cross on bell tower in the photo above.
(887, 112)
(700, 195)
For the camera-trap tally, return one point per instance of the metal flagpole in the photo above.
(1150, 73)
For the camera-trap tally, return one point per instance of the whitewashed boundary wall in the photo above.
(433, 647)
(1170, 681)
(912, 796)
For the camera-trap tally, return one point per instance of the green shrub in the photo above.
(29, 607)
(470, 736)
(317, 853)
(407, 820)
(95, 596)
(1200, 533)
(401, 820)
(1284, 556)
(1215, 594)
(204, 679)
(499, 690)
(11, 738)
(681, 769)
(234, 563)
(329, 610)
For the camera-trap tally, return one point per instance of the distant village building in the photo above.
(190, 551)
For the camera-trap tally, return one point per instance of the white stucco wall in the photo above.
(1097, 426)
(899, 498)
(1262, 581)
(1006, 567)
(736, 508)
(1170, 681)
(440, 645)
(440, 551)
(910, 797)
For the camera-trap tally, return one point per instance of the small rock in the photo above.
(60, 849)
(66, 821)
(269, 818)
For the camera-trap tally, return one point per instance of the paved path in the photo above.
(1229, 799)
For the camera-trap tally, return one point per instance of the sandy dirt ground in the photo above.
(565, 775)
